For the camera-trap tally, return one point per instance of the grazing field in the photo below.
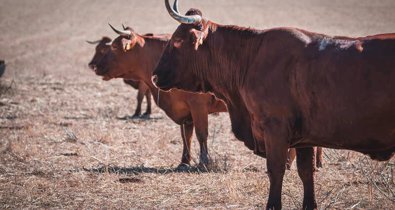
(63, 144)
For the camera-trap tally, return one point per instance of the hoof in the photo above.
(135, 116)
(146, 116)
(183, 167)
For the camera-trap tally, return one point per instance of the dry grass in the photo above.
(72, 152)
(63, 147)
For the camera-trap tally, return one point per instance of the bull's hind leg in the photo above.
(200, 119)
(318, 157)
(148, 98)
(291, 157)
(186, 133)
(305, 162)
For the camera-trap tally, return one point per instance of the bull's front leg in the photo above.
(274, 135)
(306, 161)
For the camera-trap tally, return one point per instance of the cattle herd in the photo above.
(288, 91)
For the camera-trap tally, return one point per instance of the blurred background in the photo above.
(42, 34)
(63, 147)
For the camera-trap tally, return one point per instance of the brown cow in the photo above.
(103, 46)
(134, 56)
(287, 87)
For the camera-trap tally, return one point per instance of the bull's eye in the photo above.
(113, 48)
(199, 27)
(178, 43)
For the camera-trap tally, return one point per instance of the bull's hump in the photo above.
(341, 44)
(302, 36)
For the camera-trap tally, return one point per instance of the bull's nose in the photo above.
(92, 66)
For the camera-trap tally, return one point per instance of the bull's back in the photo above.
(346, 90)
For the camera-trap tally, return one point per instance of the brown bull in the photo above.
(288, 87)
(103, 46)
(134, 56)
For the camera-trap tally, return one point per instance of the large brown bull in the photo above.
(287, 87)
(134, 56)
(102, 46)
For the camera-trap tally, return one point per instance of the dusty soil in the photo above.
(62, 146)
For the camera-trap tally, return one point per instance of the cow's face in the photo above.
(118, 58)
(179, 63)
(98, 61)
(184, 56)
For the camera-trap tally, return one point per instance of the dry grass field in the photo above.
(62, 145)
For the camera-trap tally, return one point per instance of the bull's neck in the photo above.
(232, 51)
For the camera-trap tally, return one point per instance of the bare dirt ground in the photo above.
(62, 146)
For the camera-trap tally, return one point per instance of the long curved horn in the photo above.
(190, 19)
(123, 32)
(175, 7)
(93, 42)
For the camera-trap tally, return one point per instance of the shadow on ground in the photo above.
(134, 170)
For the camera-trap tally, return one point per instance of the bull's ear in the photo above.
(128, 44)
(198, 38)
(131, 42)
